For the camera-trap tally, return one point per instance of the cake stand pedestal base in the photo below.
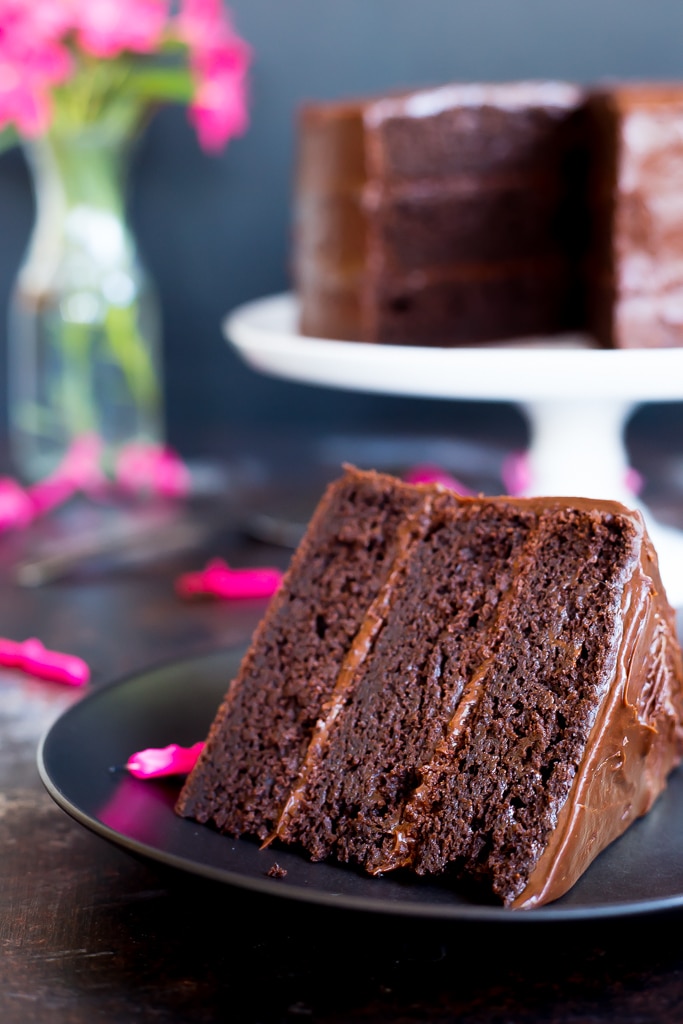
(577, 447)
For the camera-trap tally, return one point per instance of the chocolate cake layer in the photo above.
(462, 306)
(497, 221)
(489, 689)
(404, 695)
(468, 306)
(496, 785)
(291, 668)
(467, 129)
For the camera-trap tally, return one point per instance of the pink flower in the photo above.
(21, 104)
(220, 61)
(32, 60)
(219, 109)
(201, 22)
(48, 19)
(106, 28)
(39, 49)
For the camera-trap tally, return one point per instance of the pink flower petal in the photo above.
(36, 660)
(219, 110)
(26, 106)
(32, 60)
(79, 470)
(206, 27)
(517, 478)
(40, 42)
(16, 507)
(82, 463)
(49, 494)
(516, 473)
(219, 580)
(429, 474)
(155, 762)
(108, 27)
(634, 480)
(172, 477)
(200, 22)
(152, 469)
(218, 114)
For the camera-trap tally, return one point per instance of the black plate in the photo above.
(77, 758)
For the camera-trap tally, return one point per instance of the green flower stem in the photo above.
(128, 347)
(74, 380)
(91, 169)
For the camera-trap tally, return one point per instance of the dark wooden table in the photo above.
(89, 932)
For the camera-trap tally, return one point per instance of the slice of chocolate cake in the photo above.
(487, 689)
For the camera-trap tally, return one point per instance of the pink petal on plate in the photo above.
(155, 762)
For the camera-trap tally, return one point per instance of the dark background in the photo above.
(214, 230)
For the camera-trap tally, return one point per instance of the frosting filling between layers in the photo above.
(405, 691)
(296, 650)
(409, 533)
(531, 744)
(404, 832)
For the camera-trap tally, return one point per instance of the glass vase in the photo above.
(84, 347)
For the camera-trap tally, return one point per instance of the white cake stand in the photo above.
(577, 398)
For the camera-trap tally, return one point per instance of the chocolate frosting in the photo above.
(424, 217)
(410, 531)
(438, 216)
(636, 740)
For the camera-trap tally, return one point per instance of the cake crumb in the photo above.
(275, 871)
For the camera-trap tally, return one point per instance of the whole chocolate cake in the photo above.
(480, 212)
(488, 689)
(446, 216)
